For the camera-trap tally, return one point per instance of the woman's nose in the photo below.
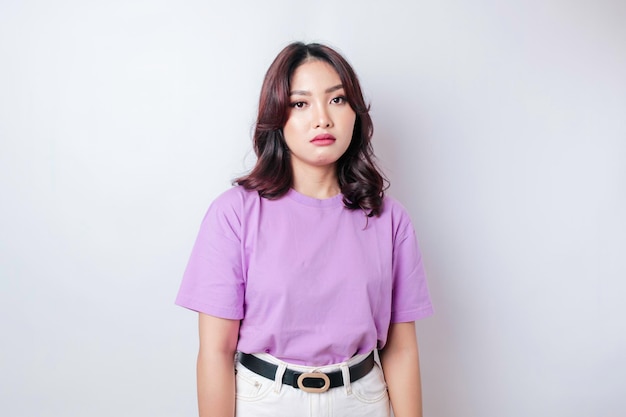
(322, 118)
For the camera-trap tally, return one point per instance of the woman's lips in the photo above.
(324, 139)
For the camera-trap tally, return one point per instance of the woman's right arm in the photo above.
(215, 369)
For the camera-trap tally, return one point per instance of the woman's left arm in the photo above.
(400, 362)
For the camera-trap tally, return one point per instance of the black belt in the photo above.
(307, 381)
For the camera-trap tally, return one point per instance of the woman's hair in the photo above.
(360, 180)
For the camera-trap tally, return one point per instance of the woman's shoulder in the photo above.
(235, 196)
(393, 207)
(396, 214)
(232, 203)
(229, 210)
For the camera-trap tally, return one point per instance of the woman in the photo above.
(305, 267)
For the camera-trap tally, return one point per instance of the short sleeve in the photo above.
(410, 297)
(213, 281)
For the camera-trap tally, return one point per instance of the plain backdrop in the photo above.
(501, 125)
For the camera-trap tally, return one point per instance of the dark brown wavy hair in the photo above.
(360, 180)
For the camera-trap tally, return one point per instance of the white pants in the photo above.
(261, 397)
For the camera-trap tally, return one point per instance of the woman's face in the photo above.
(320, 120)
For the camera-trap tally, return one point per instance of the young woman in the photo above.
(306, 267)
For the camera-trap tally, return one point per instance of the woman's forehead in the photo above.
(314, 76)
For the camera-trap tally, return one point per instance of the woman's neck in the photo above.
(316, 183)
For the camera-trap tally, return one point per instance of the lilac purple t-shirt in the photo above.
(312, 281)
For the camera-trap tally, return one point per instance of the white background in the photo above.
(500, 124)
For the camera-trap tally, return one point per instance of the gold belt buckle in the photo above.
(313, 375)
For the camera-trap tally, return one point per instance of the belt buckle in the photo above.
(314, 375)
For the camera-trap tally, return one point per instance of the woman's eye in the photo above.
(298, 104)
(339, 100)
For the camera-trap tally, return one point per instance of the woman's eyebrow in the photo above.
(308, 93)
(334, 88)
